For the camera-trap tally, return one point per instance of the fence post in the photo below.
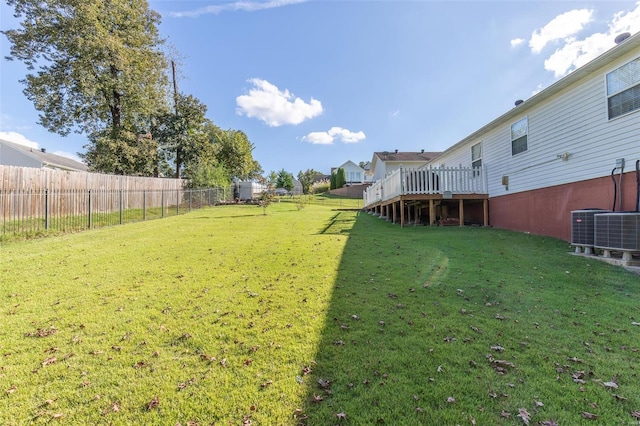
(144, 204)
(162, 204)
(89, 208)
(121, 206)
(46, 209)
(177, 201)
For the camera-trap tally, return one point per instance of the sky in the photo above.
(317, 83)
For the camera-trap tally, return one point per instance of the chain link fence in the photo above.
(36, 212)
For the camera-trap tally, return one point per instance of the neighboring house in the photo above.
(385, 162)
(353, 173)
(12, 154)
(557, 151)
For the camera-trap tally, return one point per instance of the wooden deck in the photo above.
(431, 196)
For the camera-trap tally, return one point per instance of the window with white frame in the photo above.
(623, 89)
(519, 132)
(476, 158)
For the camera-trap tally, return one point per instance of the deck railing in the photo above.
(406, 181)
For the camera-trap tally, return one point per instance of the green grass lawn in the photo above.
(313, 315)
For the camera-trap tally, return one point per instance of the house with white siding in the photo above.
(385, 162)
(558, 151)
(13, 154)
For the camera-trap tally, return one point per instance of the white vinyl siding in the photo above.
(623, 89)
(575, 121)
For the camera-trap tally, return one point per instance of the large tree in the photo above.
(234, 150)
(95, 67)
(183, 135)
(285, 180)
(306, 178)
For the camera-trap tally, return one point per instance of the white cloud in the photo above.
(246, 6)
(18, 138)
(560, 27)
(395, 113)
(274, 107)
(346, 136)
(318, 138)
(538, 89)
(517, 42)
(574, 52)
(327, 138)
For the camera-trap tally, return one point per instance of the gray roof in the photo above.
(48, 159)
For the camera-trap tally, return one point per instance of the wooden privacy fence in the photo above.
(29, 178)
(28, 205)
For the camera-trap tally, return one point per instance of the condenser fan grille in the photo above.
(617, 231)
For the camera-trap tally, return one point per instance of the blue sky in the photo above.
(317, 83)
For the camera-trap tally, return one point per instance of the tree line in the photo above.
(98, 68)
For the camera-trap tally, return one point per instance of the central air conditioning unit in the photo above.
(618, 231)
(582, 228)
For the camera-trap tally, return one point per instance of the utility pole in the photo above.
(175, 103)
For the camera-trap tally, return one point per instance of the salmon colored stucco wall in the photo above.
(547, 211)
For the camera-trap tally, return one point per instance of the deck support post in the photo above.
(401, 213)
(485, 212)
(393, 213)
(432, 212)
(461, 209)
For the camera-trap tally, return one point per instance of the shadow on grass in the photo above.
(373, 332)
(339, 224)
(470, 326)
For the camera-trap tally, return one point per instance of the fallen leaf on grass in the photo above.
(153, 403)
(317, 398)
(589, 416)
(524, 416)
(549, 423)
(48, 361)
(12, 389)
(341, 416)
(42, 332)
(324, 384)
(497, 348)
(505, 414)
(610, 385)
(635, 414)
(451, 400)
